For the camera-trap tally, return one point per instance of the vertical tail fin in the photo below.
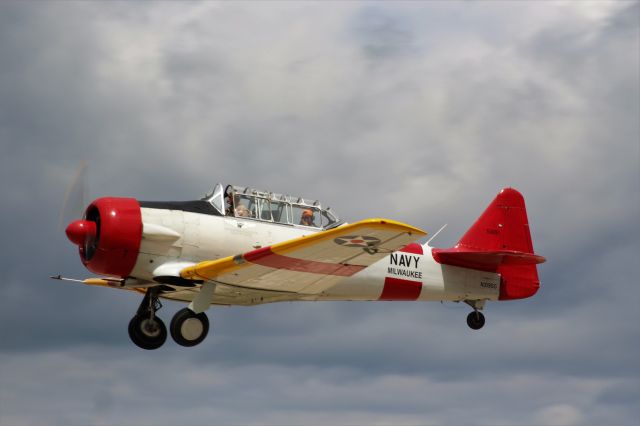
(502, 226)
(499, 241)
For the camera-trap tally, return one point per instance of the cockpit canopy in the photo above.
(245, 202)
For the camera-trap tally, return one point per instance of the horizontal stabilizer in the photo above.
(485, 260)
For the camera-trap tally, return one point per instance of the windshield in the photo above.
(215, 198)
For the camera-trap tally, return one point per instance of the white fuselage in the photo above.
(174, 237)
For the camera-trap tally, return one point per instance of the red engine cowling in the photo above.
(109, 236)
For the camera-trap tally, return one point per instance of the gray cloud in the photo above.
(288, 395)
(420, 112)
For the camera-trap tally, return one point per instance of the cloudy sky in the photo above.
(415, 111)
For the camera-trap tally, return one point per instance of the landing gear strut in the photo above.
(475, 320)
(146, 330)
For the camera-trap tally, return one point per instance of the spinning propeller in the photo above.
(83, 228)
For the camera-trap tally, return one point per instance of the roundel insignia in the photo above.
(357, 241)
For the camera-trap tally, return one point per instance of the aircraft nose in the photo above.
(79, 230)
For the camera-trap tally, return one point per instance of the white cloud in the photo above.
(559, 415)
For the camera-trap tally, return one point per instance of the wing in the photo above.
(311, 264)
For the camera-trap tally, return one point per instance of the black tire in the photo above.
(147, 334)
(475, 320)
(187, 328)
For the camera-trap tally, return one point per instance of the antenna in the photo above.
(436, 234)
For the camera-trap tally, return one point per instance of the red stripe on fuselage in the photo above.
(266, 257)
(414, 248)
(399, 289)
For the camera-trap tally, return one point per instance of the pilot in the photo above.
(242, 211)
(229, 204)
(307, 218)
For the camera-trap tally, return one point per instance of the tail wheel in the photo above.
(475, 320)
(147, 332)
(188, 328)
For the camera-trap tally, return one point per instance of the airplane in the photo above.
(241, 246)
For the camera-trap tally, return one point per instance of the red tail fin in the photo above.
(499, 241)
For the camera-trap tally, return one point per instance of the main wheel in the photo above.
(147, 333)
(475, 320)
(187, 328)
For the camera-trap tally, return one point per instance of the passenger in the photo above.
(307, 218)
(228, 205)
(242, 211)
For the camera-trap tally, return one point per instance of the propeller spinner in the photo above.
(80, 231)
